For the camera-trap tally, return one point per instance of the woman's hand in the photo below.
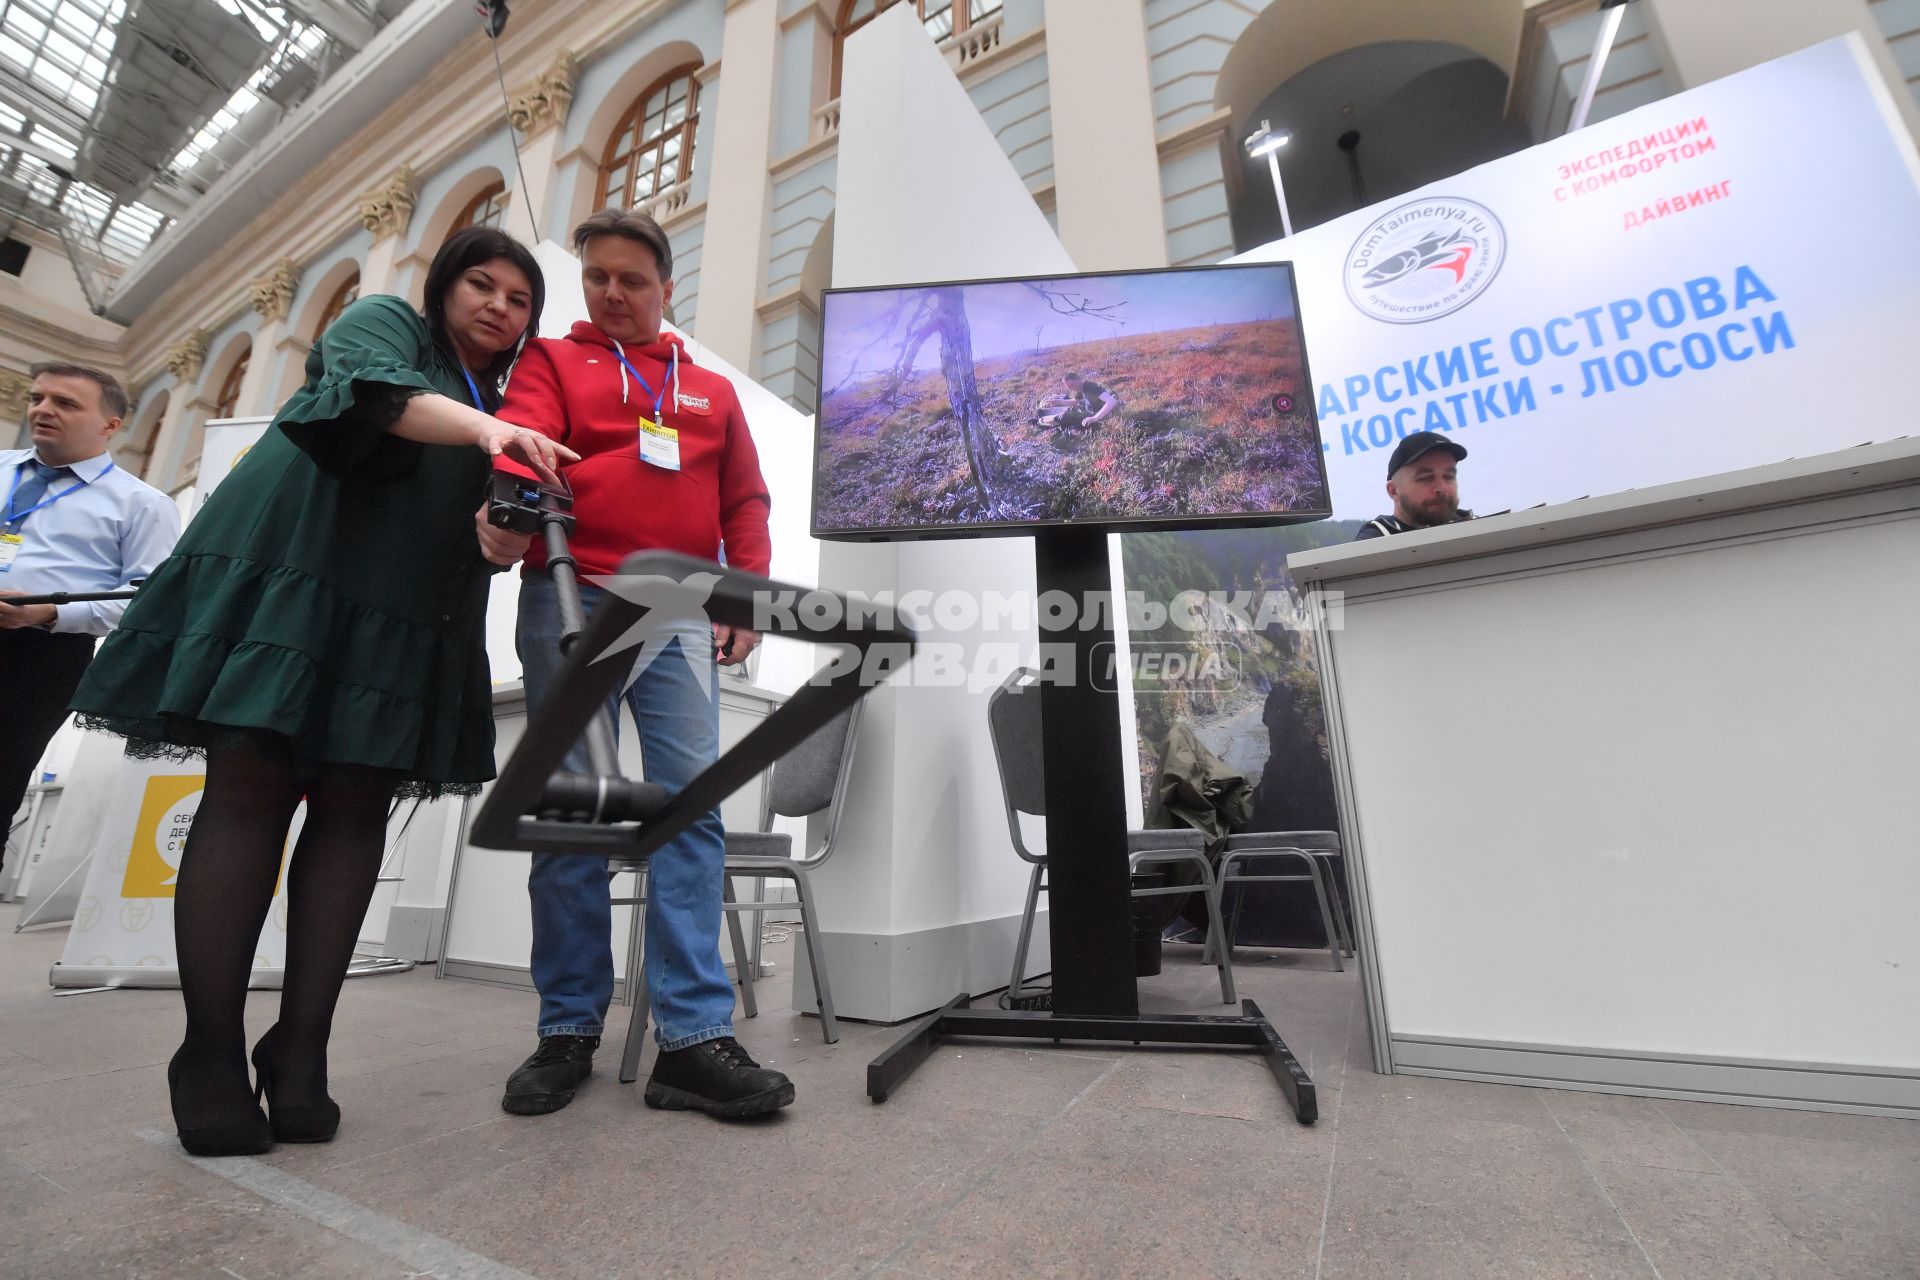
(537, 451)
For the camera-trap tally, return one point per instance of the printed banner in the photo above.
(1715, 281)
(227, 441)
(122, 932)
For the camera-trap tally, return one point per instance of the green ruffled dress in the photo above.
(331, 589)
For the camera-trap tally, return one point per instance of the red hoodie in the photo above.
(576, 390)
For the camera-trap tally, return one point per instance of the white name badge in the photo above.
(659, 445)
(10, 544)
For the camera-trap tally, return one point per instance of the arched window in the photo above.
(342, 298)
(488, 208)
(229, 397)
(941, 18)
(652, 146)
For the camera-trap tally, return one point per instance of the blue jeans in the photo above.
(679, 724)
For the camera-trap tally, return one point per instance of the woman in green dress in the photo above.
(319, 633)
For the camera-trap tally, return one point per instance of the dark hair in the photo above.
(629, 224)
(470, 248)
(113, 396)
(1072, 377)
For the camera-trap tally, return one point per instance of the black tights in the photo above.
(227, 876)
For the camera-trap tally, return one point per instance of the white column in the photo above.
(14, 387)
(538, 113)
(185, 358)
(272, 299)
(1105, 162)
(737, 189)
(527, 207)
(382, 272)
(1707, 39)
(386, 212)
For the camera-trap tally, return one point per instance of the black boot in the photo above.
(546, 1081)
(717, 1077)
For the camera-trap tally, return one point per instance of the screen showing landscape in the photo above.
(1170, 399)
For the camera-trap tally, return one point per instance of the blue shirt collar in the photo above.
(87, 469)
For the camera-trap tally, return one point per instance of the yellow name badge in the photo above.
(659, 445)
(10, 544)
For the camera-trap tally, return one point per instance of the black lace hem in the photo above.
(141, 746)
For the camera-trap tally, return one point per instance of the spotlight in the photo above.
(1266, 140)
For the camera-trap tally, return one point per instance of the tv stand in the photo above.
(1095, 994)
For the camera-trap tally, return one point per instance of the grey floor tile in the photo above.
(1457, 1183)
(1780, 1122)
(1623, 1130)
(995, 1159)
(243, 1239)
(996, 1077)
(1396, 1101)
(790, 1196)
(24, 1191)
(1235, 1086)
(1114, 1187)
(1706, 1226)
(1855, 1203)
(106, 1186)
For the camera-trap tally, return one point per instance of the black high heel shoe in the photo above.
(293, 1121)
(245, 1132)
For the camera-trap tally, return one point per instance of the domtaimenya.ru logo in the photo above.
(1425, 259)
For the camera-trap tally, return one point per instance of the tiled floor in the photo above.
(992, 1161)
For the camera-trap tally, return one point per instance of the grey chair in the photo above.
(810, 778)
(1255, 857)
(1013, 716)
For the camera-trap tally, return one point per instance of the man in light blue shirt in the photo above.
(70, 521)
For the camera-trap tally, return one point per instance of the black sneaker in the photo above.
(717, 1077)
(546, 1081)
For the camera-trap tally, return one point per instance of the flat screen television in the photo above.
(1167, 399)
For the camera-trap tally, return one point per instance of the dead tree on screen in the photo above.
(942, 312)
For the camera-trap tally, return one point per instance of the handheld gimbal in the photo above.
(538, 804)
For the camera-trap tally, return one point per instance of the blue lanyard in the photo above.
(659, 397)
(474, 388)
(13, 517)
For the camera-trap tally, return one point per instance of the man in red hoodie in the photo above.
(665, 463)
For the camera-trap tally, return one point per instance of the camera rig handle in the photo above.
(526, 506)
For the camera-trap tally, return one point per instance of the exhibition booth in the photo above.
(1618, 764)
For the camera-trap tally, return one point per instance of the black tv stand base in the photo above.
(1247, 1030)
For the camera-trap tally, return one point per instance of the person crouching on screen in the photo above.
(1083, 404)
(666, 463)
(1424, 482)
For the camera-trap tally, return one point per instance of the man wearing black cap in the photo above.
(1422, 481)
